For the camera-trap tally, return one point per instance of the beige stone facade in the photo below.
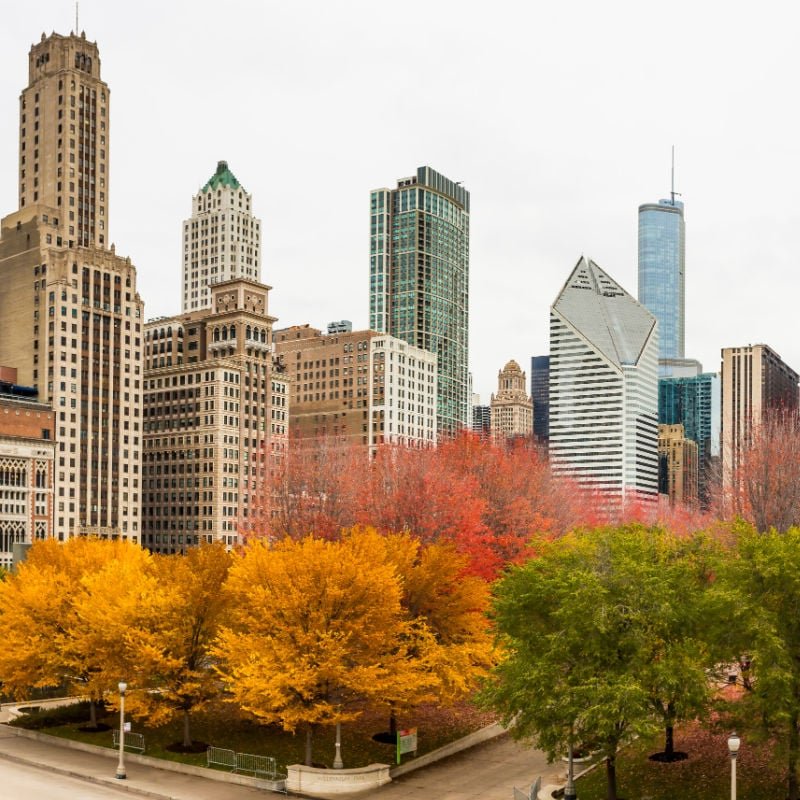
(363, 387)
(221, 240)
(64, 138)
(754, 380)
(215, 411)
(678, 465)
(27, 456)
(511, 408)
(73, 326)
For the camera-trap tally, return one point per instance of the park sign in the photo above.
(406, 742)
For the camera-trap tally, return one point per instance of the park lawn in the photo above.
(704, 775)
(223, 726)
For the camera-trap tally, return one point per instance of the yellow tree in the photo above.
(313, 624)
(168, 639)
(446, 607)
(46, 640)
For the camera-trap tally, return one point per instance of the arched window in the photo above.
(216, 334)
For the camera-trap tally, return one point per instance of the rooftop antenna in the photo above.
(672, 184)
(76, 18)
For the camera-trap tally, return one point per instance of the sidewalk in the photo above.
(142, 781)
(488, 771)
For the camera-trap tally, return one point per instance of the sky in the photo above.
(557, 117)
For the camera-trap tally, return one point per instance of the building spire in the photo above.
(672, 192)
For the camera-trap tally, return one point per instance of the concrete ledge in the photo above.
(470, 740)
(158, 763)
(312, 781)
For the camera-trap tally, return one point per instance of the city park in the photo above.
(441, 590)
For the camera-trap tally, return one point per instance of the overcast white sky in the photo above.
(558, 118)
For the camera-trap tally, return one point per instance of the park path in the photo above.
(488, 771)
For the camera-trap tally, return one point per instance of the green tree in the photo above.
(582, 625)
(759, 592)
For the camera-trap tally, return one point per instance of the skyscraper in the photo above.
(419, 279)
(215, 411)
(755, 380)
(64, 129)
(361, 387)
(695, 403)
(661, 273)
(604, 387)
(511, 408)
(221, 240)
(540, 394)
(71, 323)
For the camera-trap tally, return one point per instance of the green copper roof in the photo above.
(222, 177)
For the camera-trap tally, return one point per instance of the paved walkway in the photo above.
(485, 772)
(144, 781)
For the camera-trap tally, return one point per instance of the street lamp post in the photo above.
(121, 765)
(733, 748)
(337, 759)
(569, 789)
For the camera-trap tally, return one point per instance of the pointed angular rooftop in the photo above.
(604, 313)
(222, 177)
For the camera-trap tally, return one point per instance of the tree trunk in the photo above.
(393, 723)
(187, 735)
(92, 713)
(794, 741)
(611, 774)
(309, 739)
(669, 741)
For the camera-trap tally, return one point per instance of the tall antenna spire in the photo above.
(76, 18)
(672, 192)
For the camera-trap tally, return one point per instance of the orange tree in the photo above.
(47, 640)
(314, 624)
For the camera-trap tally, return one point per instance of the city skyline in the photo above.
(543, 186)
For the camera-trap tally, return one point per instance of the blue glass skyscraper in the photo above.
(662, 256)
(695, 403)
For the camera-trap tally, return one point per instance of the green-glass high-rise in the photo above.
(419, 280)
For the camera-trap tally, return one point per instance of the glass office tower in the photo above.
(695, 403)
(419, 280)
(540, 394)
(662, 259)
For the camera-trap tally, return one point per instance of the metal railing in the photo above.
(259, 766)
(133, 741)
(221, 757)
(532, 794)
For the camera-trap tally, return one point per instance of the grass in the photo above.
(224, 726)
(704, 775)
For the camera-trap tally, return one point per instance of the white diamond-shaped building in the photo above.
(604, 388)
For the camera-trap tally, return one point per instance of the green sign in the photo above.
(406, 742)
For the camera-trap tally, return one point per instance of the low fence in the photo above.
(259, 766)
(133, 741)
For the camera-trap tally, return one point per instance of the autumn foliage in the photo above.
(486, 500)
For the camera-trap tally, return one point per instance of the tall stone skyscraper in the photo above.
(604, 388)
(511, 407)
(419, 280)
(71, 318)
(221, 240)
(64, 137)
(755, 381)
